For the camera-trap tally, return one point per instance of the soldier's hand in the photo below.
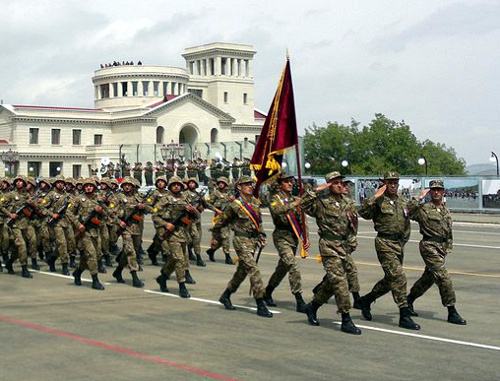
(98, 208)
(424, 193)
(169, 226)
(81, 228)
(123, 225)
(380, 191)
(307, 245)
(262, 241)
(231, 198)
(190, 208)
(296, 203)
(141, 206)
(13, 216)
(214, 243)
(55, 216)
(218, 211)
(321, 187)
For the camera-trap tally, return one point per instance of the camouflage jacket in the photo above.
(52, 203)
(219, 199)
(10, 202)
(127, 208)
(239, 221)
(280, 205)
(83, 213)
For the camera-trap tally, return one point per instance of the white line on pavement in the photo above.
(454, 244)
(205, 300)
(65, 276)
(425, 337)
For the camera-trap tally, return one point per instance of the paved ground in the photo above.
(53, 330)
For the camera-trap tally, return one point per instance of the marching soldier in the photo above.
(435, 223)
(137, 172)
(148, 173)
(245, 219)
(220, 199)
(390, 219)
(34, 221)
(194, 229)
(335, 232)
(173, 233)
(156, 196)
(42, 231)
(113, 216)
(4, 236)
(285, 212)
(71, 193)
(131, 213)
(87, 215)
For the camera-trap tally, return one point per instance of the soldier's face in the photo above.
(192, 185)
(392, 187)
(221, 185)
(246, 189)
(69, 187)
(160, 184)
(127, 187)
(176, 187)
(19, 184)
(437, 194)
(88, 188)
(60, 185)
(336, 186)
(345, 189)
(286, 185)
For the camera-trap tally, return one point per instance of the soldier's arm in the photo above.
(224, 219)
(367, 210)
(4, 205)
(308, 203)
(414, 207)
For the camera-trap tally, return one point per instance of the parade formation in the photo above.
(62, 220)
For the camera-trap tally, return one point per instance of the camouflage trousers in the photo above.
(390, 254)
(352, 274)
(4, 238)
(89, 248)
(176, 260)
(194, 233)
(335, 279)
(131, 243)
(245, 250)
(104, 235)
(43, 236)
(112, 233)
(71, 240)
(61, 236)
(223, 240)
(286, 243)
(24, 241)
(434, 256)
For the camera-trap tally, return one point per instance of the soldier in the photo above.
(435, 223)
(245, 219)
(285, 212)
(219, 200)
(137, 172)
(245, 168)
(131, 213)
(390, 219)
(42, 231)
(335, 231)
(4, 236)
(87, 215)
(71, 193)
(181, 170)
(235, 169)
(160, 169)
(148, 173)
(34, 222)
(104, 193)
(113, 205)
(166, 217)
(156, 196)
(194, 229)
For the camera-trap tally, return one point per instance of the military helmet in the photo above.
(137, 183)
(89, 181)
(436, 184)
(79, 181)
(6, 180)
(58, 178)
(127, 180)
(175, 180)
(32, 181)
(20, 177)
(70, 180)
(224, 180)
(114, 182)
(333, 175)
(244, 180)
(285, 175)
(193, 179)
(46, 181)
(162, 178)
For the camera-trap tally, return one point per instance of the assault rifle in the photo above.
(61, 211)
(185, 218)
(26, 208)
(133, 215)
(92, 217)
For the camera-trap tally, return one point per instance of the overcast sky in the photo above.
(435, 64)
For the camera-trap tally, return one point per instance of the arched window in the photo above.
(160, 132)
(214, 135)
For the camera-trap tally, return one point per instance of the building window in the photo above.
(105, 91)
(77, 137)
(145, 87)
(115, 89)
(34, 168)
(214, 135)
(245, 98)
(56, 136)
(225, 96)
(77, 171)
(134, 88)
(124, 89)
(156, 86)
(160, 131)
(98, 140)
(197, 92)
(212, 66)
(55, 168)
(165, 88)
(223, 62)
(33, 135)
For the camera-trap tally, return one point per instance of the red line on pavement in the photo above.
(113, 348)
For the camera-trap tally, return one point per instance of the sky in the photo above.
(433, 64)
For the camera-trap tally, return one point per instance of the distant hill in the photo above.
(483, 169)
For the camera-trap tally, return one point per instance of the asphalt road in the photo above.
(53, 330)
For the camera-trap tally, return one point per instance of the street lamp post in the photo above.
(169, 152)
(422, 161)
(494, 158)
(10, 158)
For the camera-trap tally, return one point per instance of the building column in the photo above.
(140, 89)
(250, 68)
(217, 64)
(120, 89)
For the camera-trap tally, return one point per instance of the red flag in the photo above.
(279, 133)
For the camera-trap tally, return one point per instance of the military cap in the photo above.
(244, 180)
(333, 175)
(224, 180)
(162, 178)
(391, 175)
(285, 175)
(128, 180)
(175, 180)
(89, 181)
(436, 184)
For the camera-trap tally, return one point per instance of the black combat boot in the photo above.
(189, 278)
(268, 296)
(9, 267)
(107, 260)
(405, 320)
(183, 292)
(140, 253)
(51, 261)
(100, 267)
(311, 310)
(356, 298)
(114, 249)
(211, 254)
(34, 264)
(454, 317)
(225, 299)
(301, 305)
(162, 281)
(348, 326)
(136, 282)
(164, 257)
(365, 304)
(77, 274)
(40, 252)
(117, 274)
(5, 256)
(411, 299)
(25, 273)
(191, 253)
(152, 255)
(262, 309)
(96, 285)
(65, 270)
(229, 260)
(72, 261)
(199, 261)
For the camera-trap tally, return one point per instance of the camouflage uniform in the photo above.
(44, 240)
(194, 230)
(153, 200)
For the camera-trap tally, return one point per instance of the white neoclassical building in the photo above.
(138, 109)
